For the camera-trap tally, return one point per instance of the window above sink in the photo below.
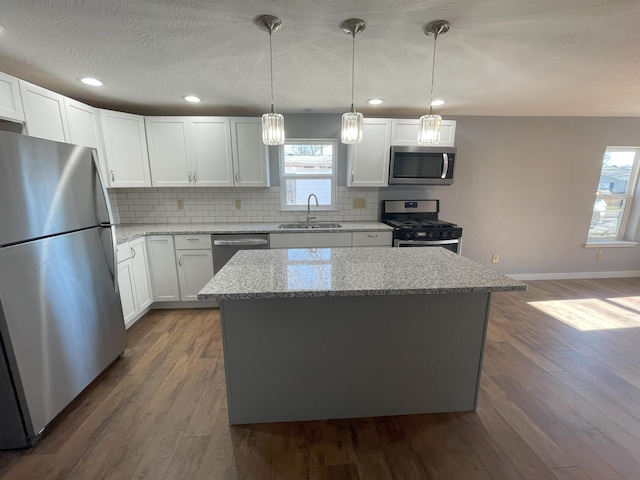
(308, 166)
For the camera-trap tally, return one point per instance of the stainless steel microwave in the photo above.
(422, 165)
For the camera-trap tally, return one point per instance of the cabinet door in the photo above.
(84, 127)
(195, 269)
(168, 143)
(211, 158)
(310, 240)
(126, 285)
(249, 153)
(162, 268)
(405, 132)
(372, 239)
(125, 146)
(368, 162)
(44, 113)
(140, 270)
(10, 101)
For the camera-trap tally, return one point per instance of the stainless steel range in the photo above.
(416, 224)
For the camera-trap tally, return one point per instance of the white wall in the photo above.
(524, 188)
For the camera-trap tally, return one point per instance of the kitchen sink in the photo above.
(308, 225)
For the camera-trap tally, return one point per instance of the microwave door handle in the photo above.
(445, 165)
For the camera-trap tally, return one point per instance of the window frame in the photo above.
(627, 198)
(333, 176)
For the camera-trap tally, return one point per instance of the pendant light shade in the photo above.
(352, 121)
(272, 122)
(429, 127)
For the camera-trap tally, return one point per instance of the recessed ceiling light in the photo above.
(191, 98)
(375, 101)
(94, 82)
(435, 103)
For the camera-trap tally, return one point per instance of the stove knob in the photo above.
(445, 235)
(407, 235)
(429, 234)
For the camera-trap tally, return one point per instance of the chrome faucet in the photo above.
(309, 216)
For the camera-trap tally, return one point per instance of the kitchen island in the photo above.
(352, 332)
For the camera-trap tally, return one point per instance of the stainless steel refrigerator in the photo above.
(61, 322)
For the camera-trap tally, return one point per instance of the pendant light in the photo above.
(272, 122)
(429, 128)
(352, 121)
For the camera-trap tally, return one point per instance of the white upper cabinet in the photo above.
(10, 101)
(368, 162)
(168, 151)
(84, 127)
(125, 146)
(405, 132)
(250, 167)
(211, 158)
(44, 113)
(190, 151)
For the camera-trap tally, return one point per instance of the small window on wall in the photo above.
(614, 195)
(306, 167)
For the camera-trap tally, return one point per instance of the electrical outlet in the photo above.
(495, 258)
(180, 204)
(359, 203)
(599, 255)
(238, 203)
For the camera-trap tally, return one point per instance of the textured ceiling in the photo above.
(501, 57)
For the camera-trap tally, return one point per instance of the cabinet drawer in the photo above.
(372, 239)
(310, 240)
(191, 242)
(123, 252)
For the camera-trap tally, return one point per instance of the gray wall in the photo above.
(524, 188)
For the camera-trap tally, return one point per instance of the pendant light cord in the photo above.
(353, 67)
(271, 66)
(433, 70)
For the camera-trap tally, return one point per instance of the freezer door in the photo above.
(47, 188)
(61, 319)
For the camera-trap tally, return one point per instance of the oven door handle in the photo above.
(445, 165)
(427, 243)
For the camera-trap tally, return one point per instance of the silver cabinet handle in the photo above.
(247, 241)
(195, 178)
(353, 176)
(189, 176)
(236, 176)
(445, 166)
(372, 235)
(113, 176)
(133, 253)
(180, 260)
(193, 239)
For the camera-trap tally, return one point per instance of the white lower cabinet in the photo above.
(372, 239)
(162, 268)
(195, 264)
(133, 280)
(331, 239)
(140, 270)
(310, 240)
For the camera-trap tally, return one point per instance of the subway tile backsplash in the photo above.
(205, 205)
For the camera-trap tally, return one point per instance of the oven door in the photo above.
(453, 244)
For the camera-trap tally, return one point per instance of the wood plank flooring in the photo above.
(560, 399)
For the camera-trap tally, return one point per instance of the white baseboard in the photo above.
(573, 275)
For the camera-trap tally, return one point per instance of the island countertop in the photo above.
(359, 271)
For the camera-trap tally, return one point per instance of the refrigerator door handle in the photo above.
(113, 260)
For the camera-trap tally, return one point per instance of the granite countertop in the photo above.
(126, 232)
(352, 272)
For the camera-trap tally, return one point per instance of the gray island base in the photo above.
(313, 334)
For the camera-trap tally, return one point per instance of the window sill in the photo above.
(611, 243)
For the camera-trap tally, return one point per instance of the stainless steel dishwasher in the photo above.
(226, 246)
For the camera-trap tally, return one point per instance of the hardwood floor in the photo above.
(560, 399)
